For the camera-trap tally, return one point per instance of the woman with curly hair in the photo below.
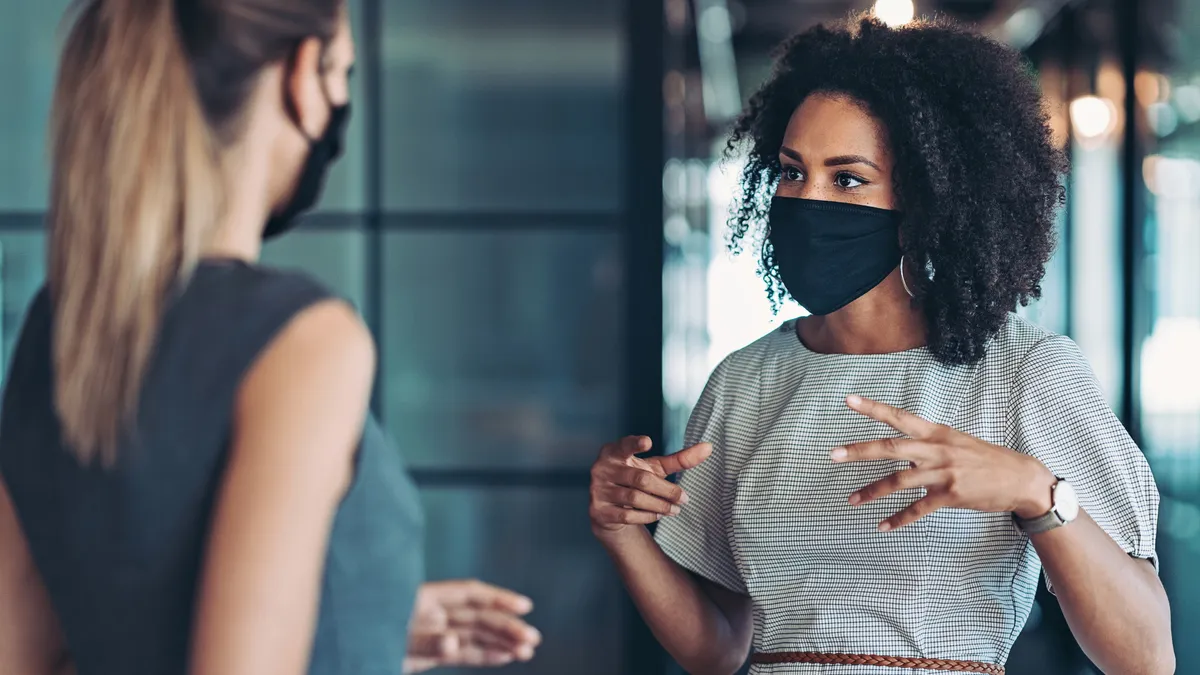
(876, 486)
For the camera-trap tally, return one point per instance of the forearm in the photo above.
(684, 619)
(1115, 604)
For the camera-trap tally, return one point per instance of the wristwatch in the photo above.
(1065, 508)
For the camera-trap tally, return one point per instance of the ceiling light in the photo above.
(895, 12)
(1092, 116)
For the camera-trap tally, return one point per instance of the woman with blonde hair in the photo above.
(191, 480)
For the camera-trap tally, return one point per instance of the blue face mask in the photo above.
(829, 254)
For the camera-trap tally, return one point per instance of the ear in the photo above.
(303, 88)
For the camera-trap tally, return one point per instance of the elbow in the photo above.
(1157, 659)
(1162, 657)
(1158, 662)
(1163, 662)
(1154, 654)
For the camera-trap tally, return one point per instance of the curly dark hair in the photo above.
(977, 175)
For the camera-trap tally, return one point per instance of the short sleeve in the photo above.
(698, 538)
(1059, 415)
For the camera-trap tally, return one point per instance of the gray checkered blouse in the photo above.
(768, 514)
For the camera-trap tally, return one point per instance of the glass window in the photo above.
(502, 105)
(1170, 391)
(29, 51)
(501, 348)
(334, 257)
(30, 39)
(738, 309)
(337, 257)
(1170, 360)
(1096, 278)
(1051, 310)
(22, 272)
(1168, 94)
(536, 542)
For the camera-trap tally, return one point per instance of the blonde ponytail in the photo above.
(135, 193)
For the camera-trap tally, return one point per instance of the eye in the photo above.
(792, 173)
(847, 181)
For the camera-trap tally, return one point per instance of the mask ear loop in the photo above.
(903, 281)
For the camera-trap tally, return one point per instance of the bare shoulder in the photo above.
(327, 336)
(298, 422)
(312, 383)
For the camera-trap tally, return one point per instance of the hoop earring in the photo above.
(902, 280)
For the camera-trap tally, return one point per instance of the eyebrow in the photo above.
(840, 160)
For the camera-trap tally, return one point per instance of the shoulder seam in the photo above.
(1016, 378)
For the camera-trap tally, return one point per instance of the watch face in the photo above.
(1066, 502)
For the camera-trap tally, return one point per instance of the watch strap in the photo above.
(1040, 524)
(1046, 522)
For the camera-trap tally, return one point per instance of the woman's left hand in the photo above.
(468, 623)
(957, 470)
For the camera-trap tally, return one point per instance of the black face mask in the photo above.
(829, 254)
(321, 154)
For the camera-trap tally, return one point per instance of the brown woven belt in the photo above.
(883, 661)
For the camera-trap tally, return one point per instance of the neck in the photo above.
(239, 233)
(237, 237)
(883, 321)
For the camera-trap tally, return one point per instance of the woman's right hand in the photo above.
(630, 491)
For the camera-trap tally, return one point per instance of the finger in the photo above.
(428, 617)
(482, 642)
(608, 514)
(629, 446)
(683, 460)
(900, 420)
(428, 614)
(480, 647)
(476, 656)
(644, 481)
(481, 638)
(919, 509)
(901, 480)
(904, 449)
(649, 464)
(494, 597)
(486, 658)
(471, 651)
(504, 625)
(524, 652)
(418, 664)
(432, 645)
(475, 593)
(638, 500)
(490, 646)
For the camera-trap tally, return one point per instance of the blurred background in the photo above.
(531, 217)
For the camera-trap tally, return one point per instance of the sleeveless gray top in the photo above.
(121, 549)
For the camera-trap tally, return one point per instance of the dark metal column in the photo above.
(1070, 63)
(643, 248)
(372, 70)
(1132, 222)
